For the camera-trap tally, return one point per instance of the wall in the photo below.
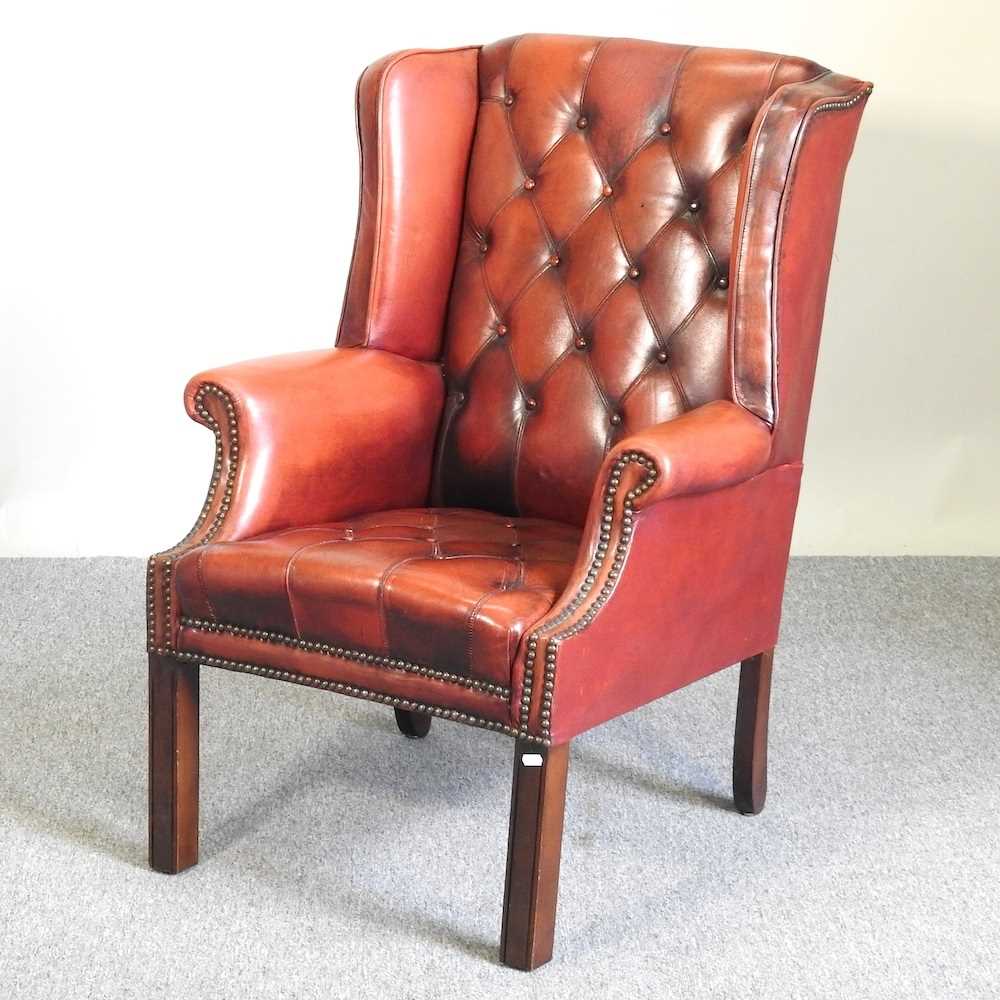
(178, 189)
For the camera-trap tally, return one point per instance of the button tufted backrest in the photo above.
(591, 286)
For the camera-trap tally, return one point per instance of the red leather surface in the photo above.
(768, 280)
(712, 446)
(370, 677)
(591, 291)
(804, 240)
(571, 213)
(450, 589)
(416, 115)
(326, 434)
(701, 590)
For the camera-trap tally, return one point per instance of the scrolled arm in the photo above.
(319, 435)
(301, 439)
(707, 448)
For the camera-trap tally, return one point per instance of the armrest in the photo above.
(668, 484)
(712, 446)
(303, 439)
(313, 437)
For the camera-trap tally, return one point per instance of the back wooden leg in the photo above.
(173, 764)
(413, 725)
(750, 744)
(538, 800)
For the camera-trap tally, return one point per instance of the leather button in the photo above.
(633, 272)
(722, 281)
(694, 206)
(661, 356)
(607, 190)
(554, 260)
(501, 330)
(616, 418)
(509, 100)
(531, 403)
(665, 128)
(529, 183)
(582, 122)
(581, 343)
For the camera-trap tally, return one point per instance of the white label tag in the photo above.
(531, 759)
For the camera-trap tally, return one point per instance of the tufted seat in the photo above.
(549, 471)
(443, 592)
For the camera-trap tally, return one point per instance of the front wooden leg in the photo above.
(538, 800)
(173, 764)
(750, 744)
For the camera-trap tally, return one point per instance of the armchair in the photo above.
(549, 472)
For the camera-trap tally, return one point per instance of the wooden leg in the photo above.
(538, 799)
(750, 744)
(413, 725)
(173, 764)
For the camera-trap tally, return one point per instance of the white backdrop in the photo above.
(178, 190)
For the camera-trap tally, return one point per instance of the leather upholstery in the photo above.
(617, 251)
(293, 447)
(397, 308)
(764, 270)
(590, 295)
(311, 453)
(727, 552)
(452, 589)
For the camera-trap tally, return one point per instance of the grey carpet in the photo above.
(340, 860)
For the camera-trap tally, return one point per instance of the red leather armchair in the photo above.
(549, 473)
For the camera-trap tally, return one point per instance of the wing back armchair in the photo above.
(550, 470)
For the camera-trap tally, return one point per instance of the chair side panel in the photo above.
(416, 115)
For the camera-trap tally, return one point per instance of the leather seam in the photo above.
(361, 201)
(590, 68)
(752, 148)
(199, 572)
(383, 582)
(674, 87)
(470, 620)
(744, 224)
(770, 78)
(817, 107)
(288, 578)
(509, 651)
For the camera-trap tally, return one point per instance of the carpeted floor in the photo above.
(340, 860)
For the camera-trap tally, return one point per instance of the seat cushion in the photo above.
(453, 590)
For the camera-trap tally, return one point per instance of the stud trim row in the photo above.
(551, 631)
(847, 102)
(352, 690)
(326, 649)
(164, 560)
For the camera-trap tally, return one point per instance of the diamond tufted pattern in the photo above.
(453, 590)
(590, 295)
